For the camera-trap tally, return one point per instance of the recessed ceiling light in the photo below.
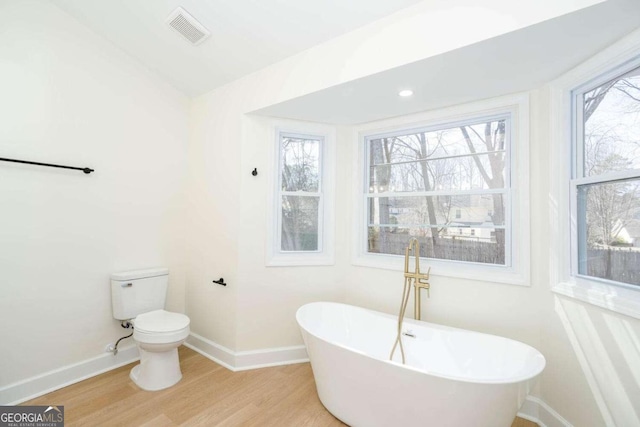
(405, 93)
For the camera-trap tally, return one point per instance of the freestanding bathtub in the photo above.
(452, 377)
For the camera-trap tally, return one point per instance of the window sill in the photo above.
(615, 298)
(459, 270)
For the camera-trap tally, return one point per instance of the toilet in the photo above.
(139, 297)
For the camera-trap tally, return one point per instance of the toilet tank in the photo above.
(137, 292)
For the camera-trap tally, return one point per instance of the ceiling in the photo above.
(246, 35)
(513, 62)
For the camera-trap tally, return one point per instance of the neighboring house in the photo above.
(481, 231)
(627, 234)
(467, 217)
(632, 233)
(468, 208)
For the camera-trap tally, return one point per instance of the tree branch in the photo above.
(472, 149)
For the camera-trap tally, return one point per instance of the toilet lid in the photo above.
(160, 321)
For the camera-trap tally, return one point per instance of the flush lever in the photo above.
(127, 285)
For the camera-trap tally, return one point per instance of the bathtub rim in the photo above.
(511, 380)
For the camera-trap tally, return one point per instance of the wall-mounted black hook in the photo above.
(220, 282)
(254, 172)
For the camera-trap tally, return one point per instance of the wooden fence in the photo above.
(458, 248)
(618, 264)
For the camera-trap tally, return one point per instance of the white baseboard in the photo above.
(209, 349)
(244, 360)
(537, 411)
(270, 357)
(33, 387)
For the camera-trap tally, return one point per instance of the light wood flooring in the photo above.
(207, 395)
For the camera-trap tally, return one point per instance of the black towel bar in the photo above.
(85, 170)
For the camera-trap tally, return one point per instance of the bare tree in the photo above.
(611, 143)
(431, 211)
(494, 142)
(299, 213)
(419, 162)
(610, 207)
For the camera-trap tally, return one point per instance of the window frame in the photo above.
(505, 192)
(516, 268)
(604, 66)
(319, 194)
(578, 177)
(324, 255)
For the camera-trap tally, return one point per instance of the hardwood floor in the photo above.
(208, 395)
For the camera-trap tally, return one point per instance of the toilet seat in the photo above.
(160, 326)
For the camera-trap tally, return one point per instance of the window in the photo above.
(300, 231)
(416, 171)
(300, 194)
(605, 184)
(595, 172)
(420, 180)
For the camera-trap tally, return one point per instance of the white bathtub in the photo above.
(452, 377)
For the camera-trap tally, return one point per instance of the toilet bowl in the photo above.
(158, 335)
(138, 297)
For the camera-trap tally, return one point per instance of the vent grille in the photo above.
(188, 26)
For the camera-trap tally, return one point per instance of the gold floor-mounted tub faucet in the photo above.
(418, 279)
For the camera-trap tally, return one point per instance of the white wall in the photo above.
(268, 297)
(256, 309)
(212, 216)
(228, 207)
(67, 96)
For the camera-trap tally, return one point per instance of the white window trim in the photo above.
(517, 273)
(619, 298)
(319, 193)
(275, 257)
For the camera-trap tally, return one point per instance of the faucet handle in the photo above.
(421, 283)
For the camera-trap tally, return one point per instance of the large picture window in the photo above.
(605, 183)
(447, 185)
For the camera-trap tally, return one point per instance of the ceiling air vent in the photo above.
(185, 24)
